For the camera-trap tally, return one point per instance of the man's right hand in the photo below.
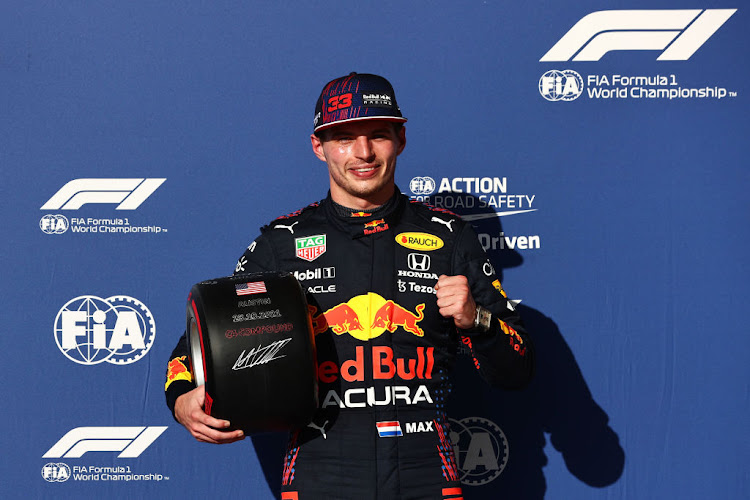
(188, 410)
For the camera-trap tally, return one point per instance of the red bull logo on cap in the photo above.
(366, 317)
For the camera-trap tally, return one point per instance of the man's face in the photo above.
(361, 158)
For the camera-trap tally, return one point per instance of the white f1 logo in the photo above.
(131, 441)
(680, 32)
(129, 193)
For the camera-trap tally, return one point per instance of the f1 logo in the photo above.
(419, 262)
(131, 441)
(129, 193)
(680, 32)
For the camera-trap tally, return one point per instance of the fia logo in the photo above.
(56, 473)
(480, 448)
(90, 330)
(54, 224)
(566, 85)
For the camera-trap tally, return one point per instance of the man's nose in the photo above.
(363, 147)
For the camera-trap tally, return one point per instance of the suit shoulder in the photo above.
(290, 220)
(435, 217)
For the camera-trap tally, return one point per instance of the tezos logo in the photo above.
(422, 185)
(54, 224)
(480, 448)
(119, 330)
(566, 85)
(56, 473)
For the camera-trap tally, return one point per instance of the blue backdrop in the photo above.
(621, 175)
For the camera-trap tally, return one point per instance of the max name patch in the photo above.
(419, 241)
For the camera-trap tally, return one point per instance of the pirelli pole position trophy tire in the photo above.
(252, 346)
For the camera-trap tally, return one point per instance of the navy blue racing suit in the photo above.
(384, 352)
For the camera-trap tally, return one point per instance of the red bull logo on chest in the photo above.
(366, 317)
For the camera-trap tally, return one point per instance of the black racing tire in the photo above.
(252, 346)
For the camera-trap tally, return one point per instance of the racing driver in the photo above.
(395, 287)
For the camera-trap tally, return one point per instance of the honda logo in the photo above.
(419, 262)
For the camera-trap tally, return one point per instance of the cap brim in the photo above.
(395, 119)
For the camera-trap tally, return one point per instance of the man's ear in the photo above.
(402, 140)
(317, 147)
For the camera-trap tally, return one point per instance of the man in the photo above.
(401, 285)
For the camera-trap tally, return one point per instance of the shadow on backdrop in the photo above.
(500, 435)
(557, 401)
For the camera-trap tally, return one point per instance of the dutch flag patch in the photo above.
(389, 429)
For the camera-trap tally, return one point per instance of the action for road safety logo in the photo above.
(366, 317)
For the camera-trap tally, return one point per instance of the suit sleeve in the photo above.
(258, 257)
(504, 355)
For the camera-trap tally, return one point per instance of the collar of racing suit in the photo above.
(359, 224)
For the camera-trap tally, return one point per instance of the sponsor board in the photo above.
(126, 194)
(479, 199)
(90, 330)
(675, 34)
(130, 442)
(569, 85)
(461, 194)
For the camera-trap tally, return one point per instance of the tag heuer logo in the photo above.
(310, 248)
